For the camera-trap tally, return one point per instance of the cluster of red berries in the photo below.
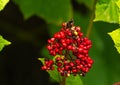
(71, 49)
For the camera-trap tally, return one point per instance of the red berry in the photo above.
(44, 67)
(62, 34)
(78, 67)
(71, 64)
(64, 44)
(56, 50)
(58, 59)
(80, 56)
(89, 65)
(74, 70)
(77, 61)
(77, 28)
(80, 50)
(59, 64)
(74, 49)
(52, 39)
(63, 24)
(51, 62)
(59, 70)
(52, 68)
(49, 41)
(85, 51)
(49, 47)
(91, 61)
(66, 62)
(69, 47)
(67, 67)
(81, 66)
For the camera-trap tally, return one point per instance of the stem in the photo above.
(59, 78)
(63, 82)
(89, 29)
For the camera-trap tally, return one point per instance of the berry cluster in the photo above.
(71, 49)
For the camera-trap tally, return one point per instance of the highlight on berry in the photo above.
(69, 50)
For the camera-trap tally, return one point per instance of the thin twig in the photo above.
(89, 29)
(63, 80)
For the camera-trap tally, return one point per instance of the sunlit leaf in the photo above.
(107, 11)
(116, 38)
(3, 42)
(3, 3)
(118, 4)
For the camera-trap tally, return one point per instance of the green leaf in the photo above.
(118, 4)
(3, 3)
(55, 76)
(42, 60)
(3, 42)
(88, 3)
(44, 52)
(107, 11)
(52, 11)
(74, 80)
(116, 38)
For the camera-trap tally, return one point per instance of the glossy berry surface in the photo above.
(71, 50)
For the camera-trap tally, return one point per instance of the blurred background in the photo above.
(29, 23)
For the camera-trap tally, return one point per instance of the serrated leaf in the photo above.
(52, 11)
(88, 3)
(74, 80)
(3, 42)
(107, 11)
(116, 38)
(3, 3)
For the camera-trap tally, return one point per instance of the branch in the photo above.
(89, 29)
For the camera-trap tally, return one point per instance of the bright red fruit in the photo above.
(72, 49)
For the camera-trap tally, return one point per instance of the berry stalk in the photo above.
(63, 82)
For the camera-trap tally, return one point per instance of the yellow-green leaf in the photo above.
(3, 3)
(107, 11)
(3, 42)
(116, 38)
(118, 4)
